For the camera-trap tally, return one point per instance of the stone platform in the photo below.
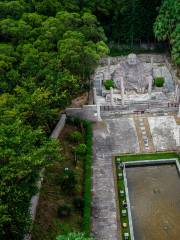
(113, 136)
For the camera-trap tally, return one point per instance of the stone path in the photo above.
(104, 215)
(149, 136)
(111, 137)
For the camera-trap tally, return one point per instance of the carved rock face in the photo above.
(133, 73)
(132, 59)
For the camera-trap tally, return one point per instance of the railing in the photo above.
(140, 107)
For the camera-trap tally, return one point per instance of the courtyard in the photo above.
(135, 117)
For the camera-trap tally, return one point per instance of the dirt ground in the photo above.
(79, 101)
(155, 202)
(47, 223)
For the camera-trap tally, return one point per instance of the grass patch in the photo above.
(122, 200)
(148, 156)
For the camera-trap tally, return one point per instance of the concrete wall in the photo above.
(59, 127)
(87, 112)
(158, 58)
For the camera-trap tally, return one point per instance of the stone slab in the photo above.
(165, 132)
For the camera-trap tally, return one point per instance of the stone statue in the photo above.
(136, 76)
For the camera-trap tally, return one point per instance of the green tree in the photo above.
(167, 28)
(38, 78)
(23, 152)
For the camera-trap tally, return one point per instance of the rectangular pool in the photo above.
(154, 194)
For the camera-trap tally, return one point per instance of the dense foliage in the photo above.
(48, 50)
(129, 21)
(46, 57)
(167, 26)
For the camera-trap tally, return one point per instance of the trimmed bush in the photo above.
(87, 178)
(76, 136)
(64, 210)
(80, 149)
(159, 81)
(108, 84)
(87, 125)
(68, 180)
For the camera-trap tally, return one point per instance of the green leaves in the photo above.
(74, 236)
(46, 57)
(167, 27)
(79, 55)
(23, 153)
(175, 41)
(14, 30)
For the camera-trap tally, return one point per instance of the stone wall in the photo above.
(87, 112)
(59, 127)
(158, 58)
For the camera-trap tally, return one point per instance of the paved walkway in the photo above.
(104, 218)
(111, 137)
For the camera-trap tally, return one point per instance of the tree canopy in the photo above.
(46, 57)
(48, 50)
(167, 26)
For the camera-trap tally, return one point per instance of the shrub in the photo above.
(74, 121)
(159, 81)
(80, 149)
(87, 178)
(76, 136)
(108, 84)
(68, 180)
(78, 203)
(64, 210)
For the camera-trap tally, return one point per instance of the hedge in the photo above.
(87, 178)
(87, 185)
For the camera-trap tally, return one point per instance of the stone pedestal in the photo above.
(179, 112)
(99, 119)
(94, 96)
(109, 63)
(122, 90)
(111, 96)
(152, 61)
(150, 81)
(177, 93)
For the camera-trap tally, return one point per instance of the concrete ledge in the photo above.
(150, 162)
(128, 205)
(59, 127)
